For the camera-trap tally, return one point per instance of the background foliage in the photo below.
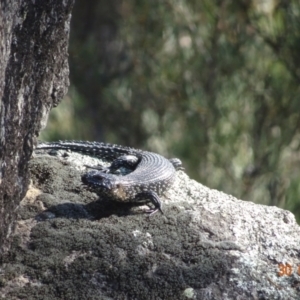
(214, 82)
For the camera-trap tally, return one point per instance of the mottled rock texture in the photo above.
(70, 243)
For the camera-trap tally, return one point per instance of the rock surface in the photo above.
(70, 243)
(34, 76)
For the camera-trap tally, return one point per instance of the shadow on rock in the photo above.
(95, 210)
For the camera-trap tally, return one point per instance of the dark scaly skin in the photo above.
(151, 175)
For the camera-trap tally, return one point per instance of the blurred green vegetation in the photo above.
(215, 83)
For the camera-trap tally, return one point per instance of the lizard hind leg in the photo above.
(127, 161)
(176, 162)
(150, 196)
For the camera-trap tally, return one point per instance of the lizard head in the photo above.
(100, 182)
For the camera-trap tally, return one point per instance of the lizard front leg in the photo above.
(150, 196)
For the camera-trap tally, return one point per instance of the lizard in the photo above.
(151, 174)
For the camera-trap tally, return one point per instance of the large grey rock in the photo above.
(71, 244)
(34, 76)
